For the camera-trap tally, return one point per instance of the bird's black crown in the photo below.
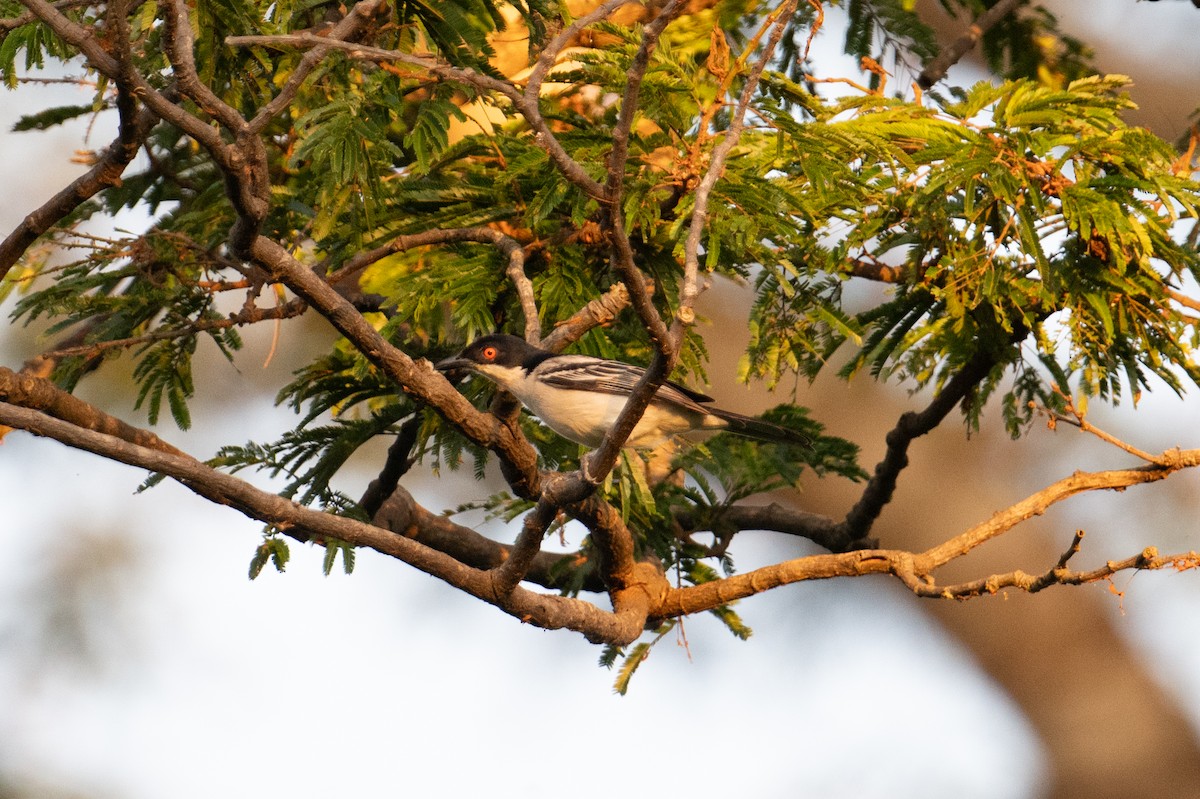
(500, 349)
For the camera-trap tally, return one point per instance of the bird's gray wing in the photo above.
(585, 373)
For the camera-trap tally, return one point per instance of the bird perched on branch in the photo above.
(580, 397)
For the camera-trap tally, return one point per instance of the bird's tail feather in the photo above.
(760, 429)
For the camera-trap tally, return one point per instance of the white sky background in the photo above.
(388, 683)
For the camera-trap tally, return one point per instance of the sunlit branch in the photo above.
(620, 627)
(915, 569)
(38, 394)
(690, 287)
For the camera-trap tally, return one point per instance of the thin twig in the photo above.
(1078, 420)
(244, 317)
(623, 260)
(507, 245)
(1180, 297)
(350, 25)
(10, 24)
(1037, 503)
(690, 289)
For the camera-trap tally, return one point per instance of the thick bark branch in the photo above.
(419, 380)
(776, 518)
(621, 627)
(35, 393)
(401, 514)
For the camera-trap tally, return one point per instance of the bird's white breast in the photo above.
(586, 416)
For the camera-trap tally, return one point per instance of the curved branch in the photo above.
(775, 518)
(690, 289)
(402, 514)
(116, 69)
(914, 570)
(620, 627)
(1170, 462)
(348, 27)
(180, 51)
(879, 489)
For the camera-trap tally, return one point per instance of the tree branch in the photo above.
(914, 570)
(348, 27)
(774, 517)
(623, 260)
(601, 461)
(246, 316)
(38, 394)
(133, 129)
(421, 381)
(597, 313)
(620, 627)
(936, 69)
(402, 514)
(879, 489)
(179, 49)
(690, 288)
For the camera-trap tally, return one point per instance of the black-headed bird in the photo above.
(580, 397)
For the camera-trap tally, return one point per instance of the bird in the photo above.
(580, 397)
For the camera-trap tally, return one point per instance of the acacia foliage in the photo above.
(1019, 231)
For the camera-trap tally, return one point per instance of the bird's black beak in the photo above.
(453, 364)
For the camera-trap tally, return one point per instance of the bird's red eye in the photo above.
(489, 353)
